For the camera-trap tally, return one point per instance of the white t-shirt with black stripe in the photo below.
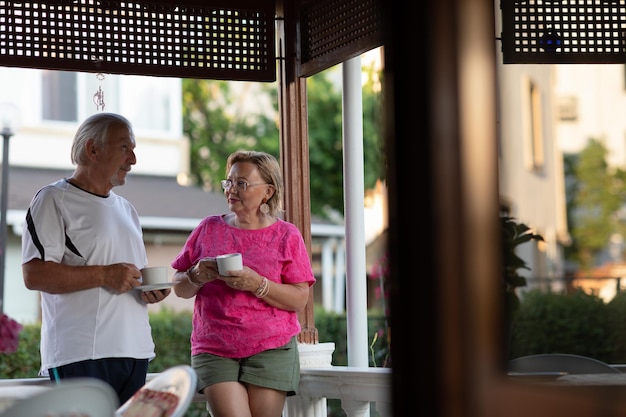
(74, 227)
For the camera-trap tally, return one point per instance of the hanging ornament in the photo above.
(98, 98)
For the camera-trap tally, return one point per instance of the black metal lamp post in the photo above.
(7, 113)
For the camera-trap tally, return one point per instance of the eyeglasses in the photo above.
(240, 185)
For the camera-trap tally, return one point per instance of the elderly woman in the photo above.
(243, 342)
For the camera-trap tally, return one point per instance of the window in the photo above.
(152, 104)
(59, 96)
(533, 126)
(567, 109)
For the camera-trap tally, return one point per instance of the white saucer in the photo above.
(153, 287)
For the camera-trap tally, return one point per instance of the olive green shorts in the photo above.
(278, 369)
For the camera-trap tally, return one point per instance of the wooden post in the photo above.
(294, 143)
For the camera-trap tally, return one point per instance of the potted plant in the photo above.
(514, 234)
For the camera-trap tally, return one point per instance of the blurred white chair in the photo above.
(180, 381)
(558, 364)
(72, 397)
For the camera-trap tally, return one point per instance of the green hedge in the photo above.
(25, 362)
(171, 332)
(332, 327)
(577, 323)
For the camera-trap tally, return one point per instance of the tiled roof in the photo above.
(156, 197)
(152, 196)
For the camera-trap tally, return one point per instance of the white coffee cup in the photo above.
(154, 275)
(229, 262)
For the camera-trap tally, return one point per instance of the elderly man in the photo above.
(82, 247)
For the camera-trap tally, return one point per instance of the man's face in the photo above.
(118, 156)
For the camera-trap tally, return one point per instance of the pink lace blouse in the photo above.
(234, 323)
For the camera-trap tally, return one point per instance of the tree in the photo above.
(373, 143)
(325, 145)
(596, 199)
(570, 161)
(220, 117)
(326, 138)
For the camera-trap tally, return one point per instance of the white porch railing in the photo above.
(361, 391)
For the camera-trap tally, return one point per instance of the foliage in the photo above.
(595, 195)
(24, 362)
(570, 161)
(325, 142)
(332, 327)
(326, 139)
(329, 326)
(9, 334)
(576, 323)
(514, 234)
(616, 312)
(220, 117)
(172, 331)
(373, 143)
(380, 273)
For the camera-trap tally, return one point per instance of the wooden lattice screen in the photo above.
(563, 31)
(332, 31)
(232, 40)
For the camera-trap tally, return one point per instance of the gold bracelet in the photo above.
(191, 281)
(264, 288)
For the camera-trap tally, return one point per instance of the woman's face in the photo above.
(245, 189)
